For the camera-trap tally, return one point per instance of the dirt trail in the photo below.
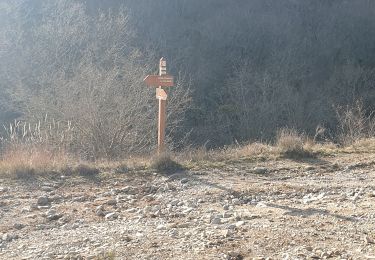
(285, 209)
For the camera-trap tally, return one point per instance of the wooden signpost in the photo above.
(160, 81)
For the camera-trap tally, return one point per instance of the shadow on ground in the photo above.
(291, 211)
(309, 212)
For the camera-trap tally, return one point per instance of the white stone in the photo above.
(236, 202)
(111, 216)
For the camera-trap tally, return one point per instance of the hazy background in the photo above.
(244, 68)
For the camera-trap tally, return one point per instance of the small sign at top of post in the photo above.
(163, 67)
(160, 81)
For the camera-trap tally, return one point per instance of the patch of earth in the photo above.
(312, 209)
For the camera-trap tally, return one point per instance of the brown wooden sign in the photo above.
(159, 81)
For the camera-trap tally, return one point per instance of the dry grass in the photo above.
(291, 144)
(132, 163)
(165, 164)
(24, 162)
(86, 170)
(253, 150)
(327, 148)
(289, 140)
(363, 145)
(355, 123)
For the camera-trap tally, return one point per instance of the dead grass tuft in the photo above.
(291, 144)
(253, 150)
(366, 145)
(24, 162)
(198, 154)
(86, 170)
(165, 164)
(22, 172)
(133, 163)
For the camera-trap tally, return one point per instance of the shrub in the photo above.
(252, 150)
(122, 168)
(165, 164)
(196, 154)
(86, 170)
(354, 123)
(291, 144)
(22, 172)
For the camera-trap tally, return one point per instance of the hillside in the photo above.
(249, 67)
(259, 143)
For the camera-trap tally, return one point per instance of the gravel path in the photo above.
(314, 209)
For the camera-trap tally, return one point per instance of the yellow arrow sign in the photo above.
(161, 94)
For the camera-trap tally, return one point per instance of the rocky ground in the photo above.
(282, 209)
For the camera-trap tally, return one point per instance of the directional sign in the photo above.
(161, 94)
(159, 81)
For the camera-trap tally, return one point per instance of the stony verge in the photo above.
(313, 209)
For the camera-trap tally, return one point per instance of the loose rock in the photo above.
(111, 216)
(260, 170)
(43, 201)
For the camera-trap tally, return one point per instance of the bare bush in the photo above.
(255, 69)
(291, 143)
(165, 164)
(47, 133)
(86, 170)
(88, 71)
(289, 140)
(354, 123)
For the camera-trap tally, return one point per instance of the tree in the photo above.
(87, 70)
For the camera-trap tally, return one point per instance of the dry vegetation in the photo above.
(31, 161)
(260, 67)
(88, 79)
(43, 149)
(24, 162)
(252, 84)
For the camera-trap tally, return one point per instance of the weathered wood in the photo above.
(160, 81)
(162, 109)
(161, 126)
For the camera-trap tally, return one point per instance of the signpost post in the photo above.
(160, 81)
